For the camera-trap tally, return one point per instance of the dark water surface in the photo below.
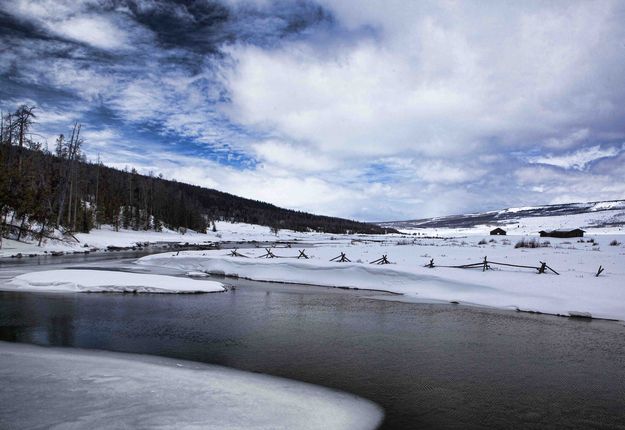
(427, 365)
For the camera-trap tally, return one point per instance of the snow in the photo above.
(575, 291)
(520, 209)
(107, 236)
(609, 205)
(226, 232)
(607, 217)
(532, 225)
(100, 281)
(100, 239)
(69, 388)
(198, 274)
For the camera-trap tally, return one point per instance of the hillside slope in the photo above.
(608, 215)
(41, 188)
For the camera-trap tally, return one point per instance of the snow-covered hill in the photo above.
(598, 217)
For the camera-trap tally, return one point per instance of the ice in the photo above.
(99, 281)
(69, 388)
(198, 274)
(580, 314)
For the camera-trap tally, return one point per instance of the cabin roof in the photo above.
(561, 230)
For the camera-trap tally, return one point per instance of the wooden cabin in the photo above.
(576, 232)
(498, 232)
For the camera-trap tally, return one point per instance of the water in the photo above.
(427, 365)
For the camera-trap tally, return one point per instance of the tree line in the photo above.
(43, 189)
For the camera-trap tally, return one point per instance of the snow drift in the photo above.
(100, 281)
(569, 294)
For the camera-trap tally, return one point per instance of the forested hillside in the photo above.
(45, 189)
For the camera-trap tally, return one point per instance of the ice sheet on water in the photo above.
(94, 281)
(70, 388)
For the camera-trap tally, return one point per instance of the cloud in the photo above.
(284, 156)
(579, 159)
(369, 110)
(558, 186)
(569, 140)
(438, 88)
(72, 20)
(363, 103)
(100, 139)
(95, 31)
(456, 90)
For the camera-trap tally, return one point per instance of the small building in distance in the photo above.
(498, 232)
(575, 232)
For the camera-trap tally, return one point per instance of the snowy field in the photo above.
(575, 292)
(69, 388)
(100, 239)
(532, 225)
(101, 281)
(606, 217)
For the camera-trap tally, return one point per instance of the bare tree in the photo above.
(69, 152)
(24, 119)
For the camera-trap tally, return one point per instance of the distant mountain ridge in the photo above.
(608, 213)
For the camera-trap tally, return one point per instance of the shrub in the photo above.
(482, 242)
(615, 243)
(532, 243)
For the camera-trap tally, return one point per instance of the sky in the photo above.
(370, 110)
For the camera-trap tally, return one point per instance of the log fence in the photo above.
(268, 254)
(485, 265)
(235, 253)
(341, 258)
(382, 260)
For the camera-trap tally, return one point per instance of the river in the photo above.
(428, 365)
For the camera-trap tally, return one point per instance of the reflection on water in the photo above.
(427, 365)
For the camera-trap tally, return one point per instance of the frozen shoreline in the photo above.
(96, 389)
(576, 292)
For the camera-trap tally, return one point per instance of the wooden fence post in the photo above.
(341, 258)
